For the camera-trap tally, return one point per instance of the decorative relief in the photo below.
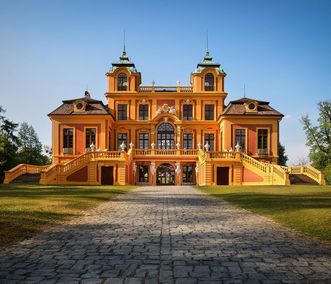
(166, 109)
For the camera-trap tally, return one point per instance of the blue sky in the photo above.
(50, 51)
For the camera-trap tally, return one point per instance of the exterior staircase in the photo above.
(124, 162)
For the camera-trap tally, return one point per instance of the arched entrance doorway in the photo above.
(166, 136)
(165, 175)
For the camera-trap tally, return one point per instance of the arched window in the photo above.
(209, 82)
(122, 82)
(166, 136)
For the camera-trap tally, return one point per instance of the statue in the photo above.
(178, 145)
(92, 147)
(131, 145)
(123, 146)
(196, 169)
(178, 170)
(207, 146)
(153, 145)
(237, 147)
(199, 146)
(152, 168)
(134, 167)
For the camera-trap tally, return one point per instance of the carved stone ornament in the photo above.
(153, 145)
(199, 146)
(166, 109)
(178, 145)
(131, 145)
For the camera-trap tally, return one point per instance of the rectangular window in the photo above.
(143, 141)
(90, 134)
(122, 111)
(143, 112)
(240, 138)
(210, 139)
(121, 137)
(187, 112)
(187, 140)
(209, 112)
(262, 141)
(68, 140)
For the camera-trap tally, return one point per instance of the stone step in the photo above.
(27, 179)
(301, 179)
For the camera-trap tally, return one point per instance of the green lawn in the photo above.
(304, 208)
(27, 209)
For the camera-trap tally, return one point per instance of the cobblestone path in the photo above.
(167, 235)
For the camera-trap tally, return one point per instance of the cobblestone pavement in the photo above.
(167, 235)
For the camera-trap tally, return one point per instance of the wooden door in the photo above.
(222, 175)
(107, 175)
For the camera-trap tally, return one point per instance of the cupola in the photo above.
(208, 76)
(123, 75)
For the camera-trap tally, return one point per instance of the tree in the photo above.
(282, 158)
(319, 137)
(30, 148)
(8, 144)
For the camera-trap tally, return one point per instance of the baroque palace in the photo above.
(165, 135)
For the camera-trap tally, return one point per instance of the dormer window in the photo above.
(122, 82)
(79, 106)
(209, 82)
(251, 106)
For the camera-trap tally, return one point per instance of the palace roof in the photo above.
(238, 107)
(92, 107)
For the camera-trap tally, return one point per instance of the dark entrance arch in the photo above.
(166, 136)
(165, 175)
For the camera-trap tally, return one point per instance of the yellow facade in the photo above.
(159, 135)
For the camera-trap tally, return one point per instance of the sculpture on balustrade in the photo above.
(153, 145)
(199, 146)
(207, 146)
(178, 145)
(237, 147)
(123, 146)
(131, 145)
(92, 147)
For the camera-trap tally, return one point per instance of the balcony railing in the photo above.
(160, 89)
(166, 152)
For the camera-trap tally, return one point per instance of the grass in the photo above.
(28, 209)
(304, 208)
